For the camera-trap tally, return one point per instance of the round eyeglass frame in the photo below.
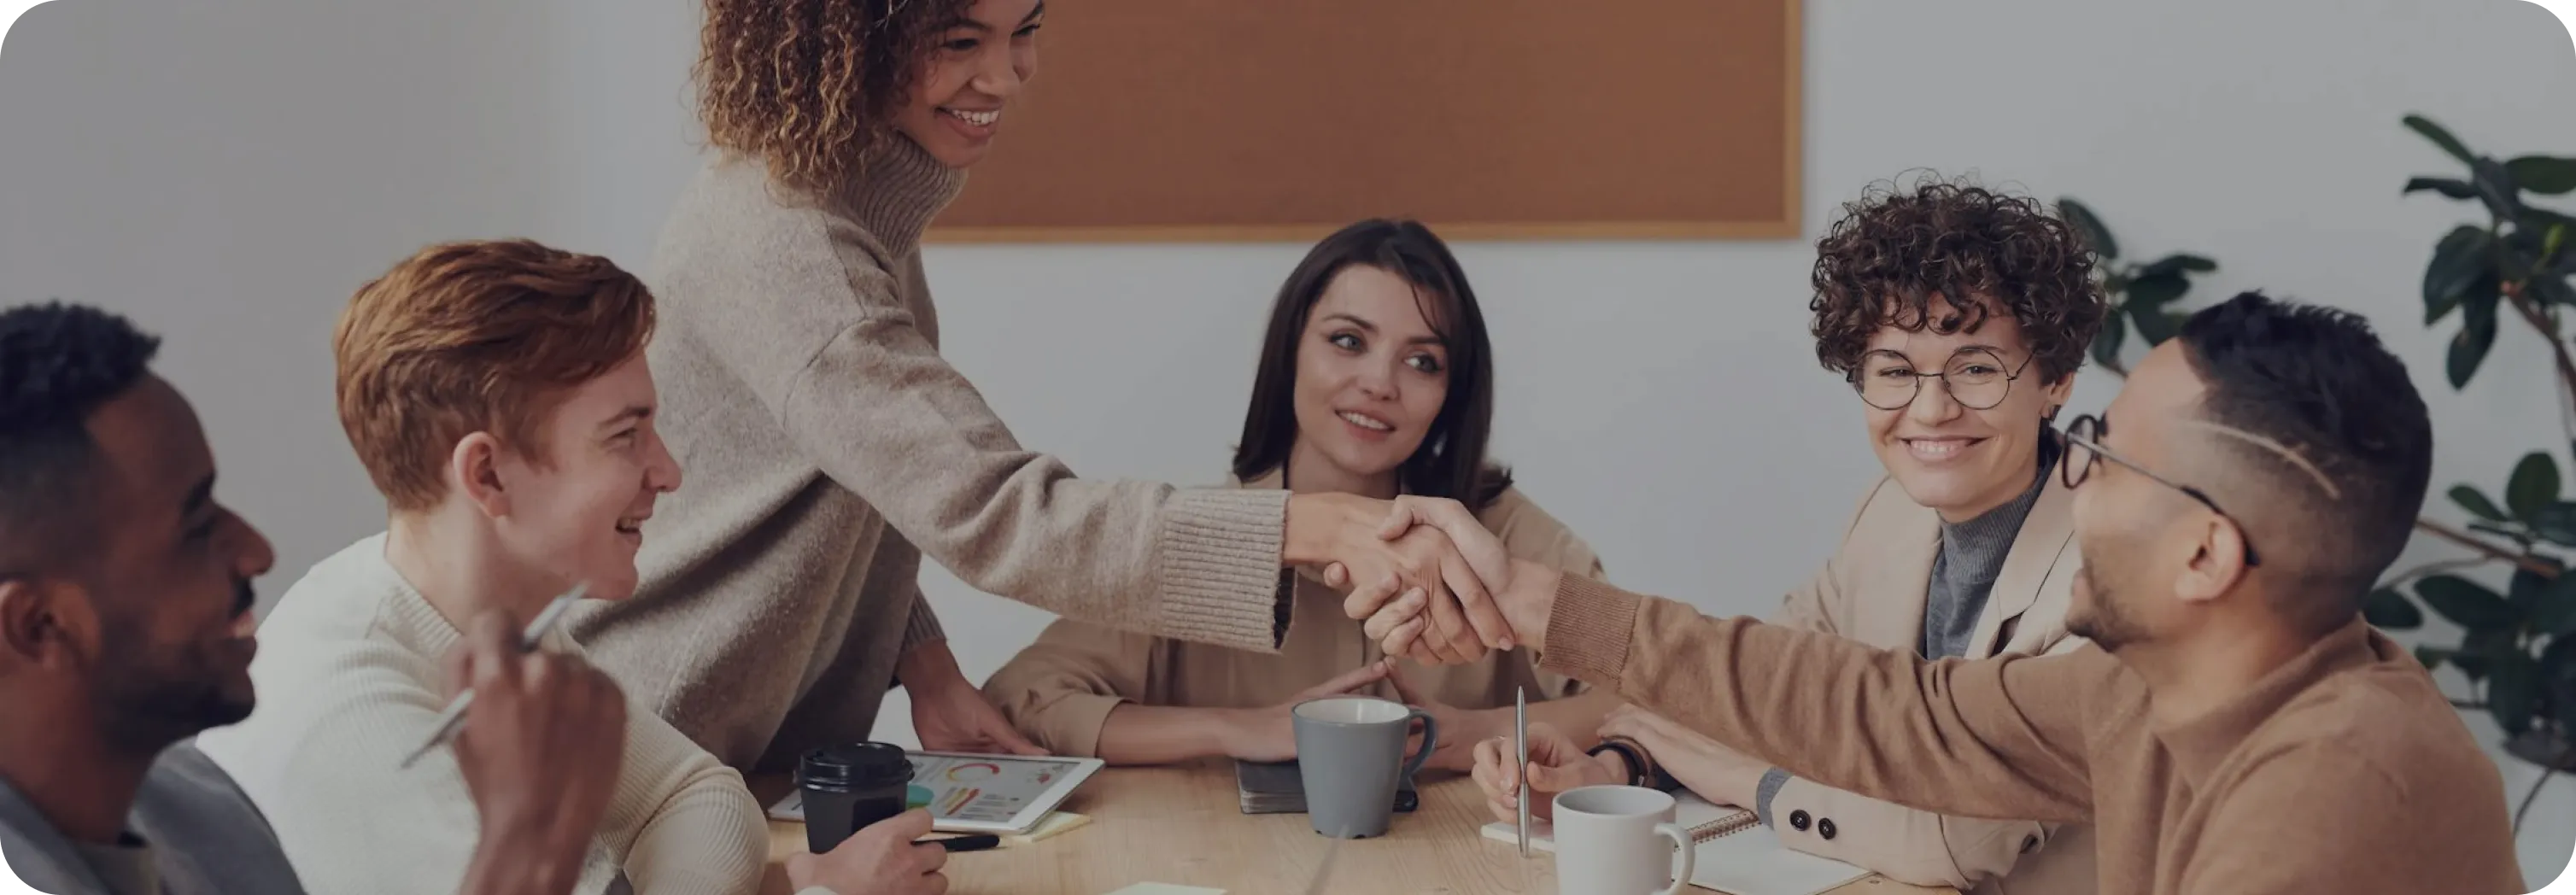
(1860, 385)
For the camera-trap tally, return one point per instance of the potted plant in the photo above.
(2518, 646)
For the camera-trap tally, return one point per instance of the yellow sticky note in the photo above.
(1166, 889)
(1055, 824)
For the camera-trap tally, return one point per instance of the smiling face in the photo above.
(579, 514)
(1946, 454)
(2141, 539)
(1372, 375)
(976, 66)
(173, 598)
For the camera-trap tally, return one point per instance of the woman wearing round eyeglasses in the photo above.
(1959, 316)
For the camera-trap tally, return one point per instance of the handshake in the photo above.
(1423, 574)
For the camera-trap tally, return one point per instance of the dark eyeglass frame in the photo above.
(1861, 387)
(2084, 434)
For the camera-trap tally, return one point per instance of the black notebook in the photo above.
(1279, 789)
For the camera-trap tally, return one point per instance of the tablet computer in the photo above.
(970, 793)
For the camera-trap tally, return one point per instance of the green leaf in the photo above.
(2096, 235)
(2106, 344)
(2457, 262)
(2523, 591)
(2558, 662)
(2534, 485)
(2496, 188)
(2389, 610)
(2480, 650)
(2546, 175)
(2467, 603)
(2514, 263)
(2477, 335)
(2553, 290)
(2467, 352)
(2177, 263)
(2435, 311)
(2431, 657)
(2471, 499)
(2539, 220)
(2155, 326)
(2440, 137)
(2475, 666)
(2556, 523)
(2155, 290)
(2558, 679)
(2554, 611)
(2516, 532)
(2513, 691)
(2448, 186)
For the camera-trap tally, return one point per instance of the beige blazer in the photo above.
(1874, 590)
(1060, 690)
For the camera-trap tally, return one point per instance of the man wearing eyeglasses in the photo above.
(2233, 727)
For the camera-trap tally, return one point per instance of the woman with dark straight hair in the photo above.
(1375, 379)
(1450, 460)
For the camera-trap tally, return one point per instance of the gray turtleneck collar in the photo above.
(1972, 556)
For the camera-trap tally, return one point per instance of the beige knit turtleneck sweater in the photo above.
(826, 447)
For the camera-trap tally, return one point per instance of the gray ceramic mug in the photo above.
(1350, 752)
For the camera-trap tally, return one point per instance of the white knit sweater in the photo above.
(349, 676)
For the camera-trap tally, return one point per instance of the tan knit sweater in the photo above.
(826, 447)
(2343, 771)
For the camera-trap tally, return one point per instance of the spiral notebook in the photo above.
(1736, 855)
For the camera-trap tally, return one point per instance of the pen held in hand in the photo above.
(977, 842)
(1520, 743)
(454, 716)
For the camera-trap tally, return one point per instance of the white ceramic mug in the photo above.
(1620, 840)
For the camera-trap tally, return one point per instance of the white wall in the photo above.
(229, 176)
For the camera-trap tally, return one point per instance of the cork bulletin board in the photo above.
(1282, 120)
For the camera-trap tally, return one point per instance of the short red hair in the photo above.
(468, 337)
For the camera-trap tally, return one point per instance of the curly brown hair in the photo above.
(1980, 250)
(811, 85)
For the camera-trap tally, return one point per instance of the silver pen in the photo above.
(1520, 740)
(454, 717)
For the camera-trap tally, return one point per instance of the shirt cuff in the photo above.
(923, 625)
(1772, 781)
(1220, 573)
(1589, 631)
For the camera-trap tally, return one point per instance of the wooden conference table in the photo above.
(1184, 826)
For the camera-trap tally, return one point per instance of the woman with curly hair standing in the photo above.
(1959, 316)
(830, 448)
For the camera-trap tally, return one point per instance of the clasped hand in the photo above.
(1431, 583)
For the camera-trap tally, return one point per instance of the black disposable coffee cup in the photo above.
(847, 788)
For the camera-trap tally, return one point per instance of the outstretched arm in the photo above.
(1993, 738)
